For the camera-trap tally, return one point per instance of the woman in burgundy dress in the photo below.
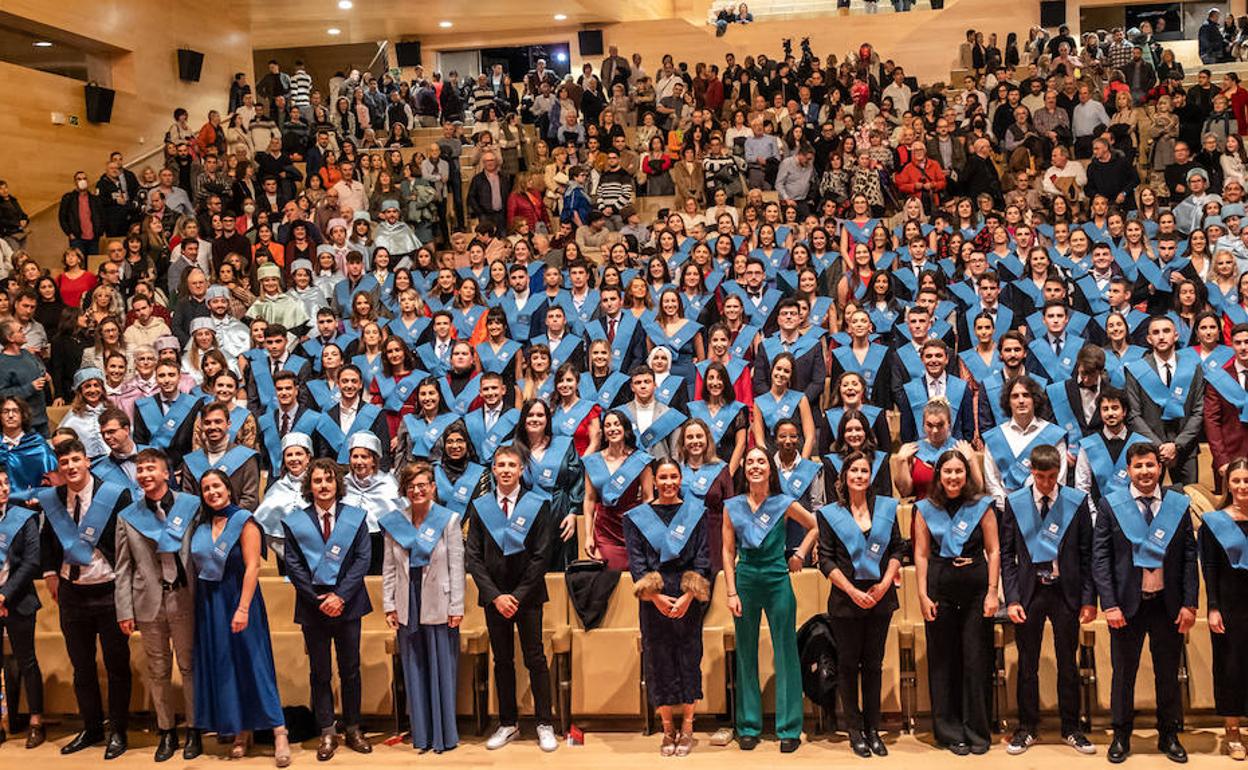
(616, 479)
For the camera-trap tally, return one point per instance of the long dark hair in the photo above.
(773, 483)
(842, 491)
(868, 443)
(630, 435)
(206, 513)
(522, 437)
(970, 490)
(1238, 464)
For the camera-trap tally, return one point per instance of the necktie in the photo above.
(285, 423)
(507, 507)
(1057, 347)
(327, 526)
(491, 417)
(168, 563)
(611, 329)
(75, 571)
(277, 367)
(164, 406)
(1243, 378)
(1146, 508)
(1169, 374)
(1044, 509)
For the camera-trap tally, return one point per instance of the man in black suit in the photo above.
(19, 604)
(507, 550)
(285, 416)
(622, 330)
(810, 374)
(488, 191)
(1144, 564)
(936, 382)
(166, 419)
(1046, 569)
(258, 381)
(1165, 394)
(327, 556)
(79, 554)
(905, 360)
(351, 414)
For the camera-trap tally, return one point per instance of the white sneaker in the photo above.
(546, 738)
(504, 735)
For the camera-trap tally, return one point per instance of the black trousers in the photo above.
(344, 637)
(1166, 644)
(1048, 603)
(959, 655)
(860, 660)
(21, 632)
(87, 613)
(527, 622)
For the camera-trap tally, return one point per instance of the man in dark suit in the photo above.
(1166, 395)
(488, 191)
(621, 330)
(79, 554)
(1051, 357)
(1046, 569)
(20, 604)
(284, 416)
(1225, 398)
(1144, 564)
(905, 360)
(506, 553)
(936, 382)
(258, 381)
(166, 419)
(809, 370)
(351, 415)
(327, 556)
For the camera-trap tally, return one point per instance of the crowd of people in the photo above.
(862, 292)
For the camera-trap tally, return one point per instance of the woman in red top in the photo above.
(75, 280)
(617, 479)
(574, 416)
(528, 203)
(397, 367)
(914, 463)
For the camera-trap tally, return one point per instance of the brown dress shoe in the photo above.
(329, 744)
(357, 742)
(35, 736)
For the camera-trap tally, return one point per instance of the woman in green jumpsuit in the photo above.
(759, 583)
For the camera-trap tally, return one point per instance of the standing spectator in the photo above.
(81, 216)
(1212, 44)
(488, 191)
(13, 220)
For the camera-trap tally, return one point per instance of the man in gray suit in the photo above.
(154, 589)
(1165, 390)
(654, 422)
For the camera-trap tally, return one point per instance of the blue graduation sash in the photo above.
(520, 322)
(1015, 469)
(758, 314)
(930, 454)
(799, 480)
(395, 394)
(1228, 388)
(419, 542)
(164, 427)
(773, 346)
(975, 364)
(866, 550)
(466, 320)
(605, 395)
(1056, 369)
(1132, 316)
(1221, 300)
(231, 461)
(1148, 542)
(859, 233)
(883, 320)
(1236, 313)
(167, 534)
(487, 442)
(1004, 320)
(1159, 275)
(1130, 268)
(545, 472)
(916, 392)
(1009, 266)
(1220, 357)
(1173, 399)
(1096, 232)
(1063, 413)
(668, 539)
(735, 366)
(951, 533)
(28, 463)
(1115, 365)
(331, 430)
(677, 340)
(428, 356)
(497, 362)
(324, 557)
(344, 294)
(457, 494)
(368, 371)
(697, 481)
(566, 421)
(668, 390)
(509, 533)
(910, 360)
(1044, 536)
(14, 519)
(482, 278)
(78, 539)
(425, 434)
(308, 423)
(611, 486)
(1078, 322)
(581, 316)
(964, 292)
(721, 421)
(1110, 476)
(1224, 529)
(877, 461)
(744, 339)
(210, 555)
(1028, 287)
(409, 334)
(1093, 294)
(322, 394)
(463, 402)
(753, 526)
(597, 330)
(262, 373)
(661, 428)
(773, 410)
(561, 352)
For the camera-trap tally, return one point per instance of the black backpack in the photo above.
(816, 651)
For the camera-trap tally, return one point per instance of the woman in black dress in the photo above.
(957, 561)
(671, 567)
(1224, 561)
(860, 550)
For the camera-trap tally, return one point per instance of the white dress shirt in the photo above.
(99, 570)
(1018, 438)
(1153, 580)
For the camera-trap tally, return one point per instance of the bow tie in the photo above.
(124, 458)
(1090, 388)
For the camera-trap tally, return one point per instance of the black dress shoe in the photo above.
(747, 742)
(960, 748)
(1170, 746)
(1119, 749)
(167, 746)
(194, 744)
(876, 744)
(83, 740)
(3, 735)
(35, 736)
(357, 742)
(116, 745)
(789, 745)
(858, 743)
(979, 749)
(329, 744)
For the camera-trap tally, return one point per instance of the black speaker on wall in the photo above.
(590, 42)
(407, 54)
(190, 64)
(1052, 13)
(99, 103)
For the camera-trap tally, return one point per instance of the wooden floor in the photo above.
(605, 750)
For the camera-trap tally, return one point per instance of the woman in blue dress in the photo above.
(779, 402)
(423, 598)
(670, 328)
(235, 677)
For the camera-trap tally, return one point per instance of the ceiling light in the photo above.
(334, 31)
(445, 24)
(561, 17)
(42, 44)
(345, 5)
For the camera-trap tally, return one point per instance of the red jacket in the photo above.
(520, 205)
(1228, 436)
(908, 179)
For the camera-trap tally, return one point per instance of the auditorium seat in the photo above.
(606, 664)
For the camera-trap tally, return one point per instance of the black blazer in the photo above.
(350, 585)
(183, 437)
(24, 566)
(1146, 417)
(1074, 561)
(52, 556)
(479, 195)
(523, 575)
(809, 374)
(1118, 579)
(834, 555)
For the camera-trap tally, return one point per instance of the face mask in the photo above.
(249, 209)
(82, 184)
